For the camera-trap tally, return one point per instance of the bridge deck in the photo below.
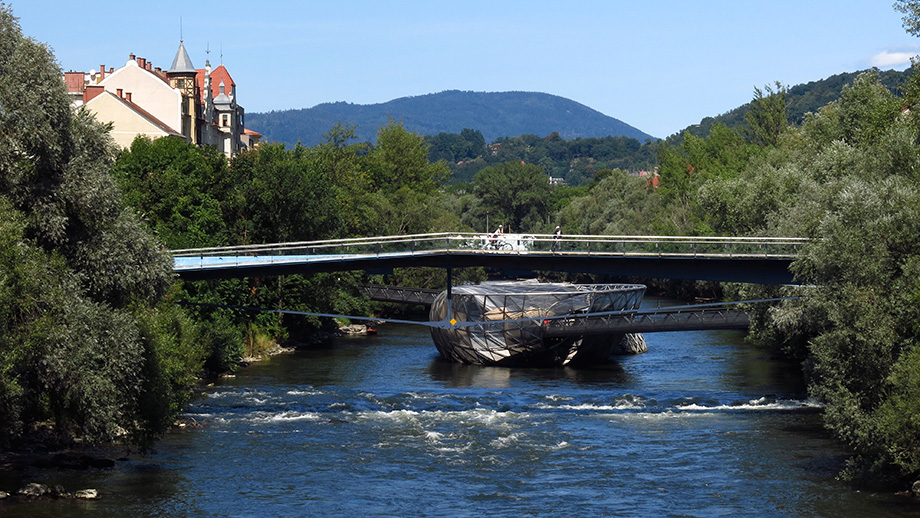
(756, 260)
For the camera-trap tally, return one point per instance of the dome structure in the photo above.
(503, 322)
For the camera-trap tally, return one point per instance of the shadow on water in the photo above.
(456, 375)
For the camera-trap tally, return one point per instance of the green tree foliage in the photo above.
(456, 147)
(274, 194)
(866, 263)
(800, 100)
(179, 188)
(341, 161)
(406, 182)
(79, 270)
(723, 154)
(576, 160)
(400, 159)
(848, 178)
(514, 194)
(282, 196)
(766, 116)
(619, 204)
(911, 19)
(172, 342)
(687, 169)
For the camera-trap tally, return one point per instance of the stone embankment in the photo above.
(355, 329)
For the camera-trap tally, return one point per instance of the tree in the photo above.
(78, 267)
(687, 169)
(766, 117)
(618, 204)
(911, 19)
(286, 195)
(182, 189)
(475, 143)
(400, 159)
(515, 194)
(453, 147)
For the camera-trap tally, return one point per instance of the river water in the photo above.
(701, 425)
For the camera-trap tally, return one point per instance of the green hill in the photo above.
(495, 115)
(800, 100)
(569, 140)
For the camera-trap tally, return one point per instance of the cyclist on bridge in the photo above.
(495, 238)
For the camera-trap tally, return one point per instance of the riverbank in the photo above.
(23, 473)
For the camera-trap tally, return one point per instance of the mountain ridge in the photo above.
(494, 114)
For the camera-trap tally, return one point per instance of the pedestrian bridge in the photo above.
(761, 260)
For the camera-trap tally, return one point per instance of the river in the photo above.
(701, 425)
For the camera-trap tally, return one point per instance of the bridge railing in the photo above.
(663, 246)
(325, 249)
(464, 242)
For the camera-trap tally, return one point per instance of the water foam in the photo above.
(759, 404)
(286, 416)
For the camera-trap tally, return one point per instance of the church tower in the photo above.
(181, 75)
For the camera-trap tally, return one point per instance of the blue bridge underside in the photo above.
(765, 270)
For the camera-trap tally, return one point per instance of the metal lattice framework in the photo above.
(503, 322)
(400, 294)
(678, 318)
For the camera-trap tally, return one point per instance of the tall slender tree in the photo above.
(84, 328)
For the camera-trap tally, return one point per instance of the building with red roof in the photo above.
(198, 105)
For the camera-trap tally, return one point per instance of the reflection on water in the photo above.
(455, 375)
(701, 425)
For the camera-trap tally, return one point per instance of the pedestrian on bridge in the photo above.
(556, 235)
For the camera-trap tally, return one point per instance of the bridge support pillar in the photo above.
(450, 312)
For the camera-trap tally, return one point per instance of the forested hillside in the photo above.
(801, 99)
(495, 115)
(577, 161)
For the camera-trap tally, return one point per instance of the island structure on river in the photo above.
(502, 323)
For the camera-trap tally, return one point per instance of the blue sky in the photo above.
(658, 66)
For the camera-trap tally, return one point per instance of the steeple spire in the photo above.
(182, 63)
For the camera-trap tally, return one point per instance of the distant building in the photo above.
(198, 105)
(651, 178)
